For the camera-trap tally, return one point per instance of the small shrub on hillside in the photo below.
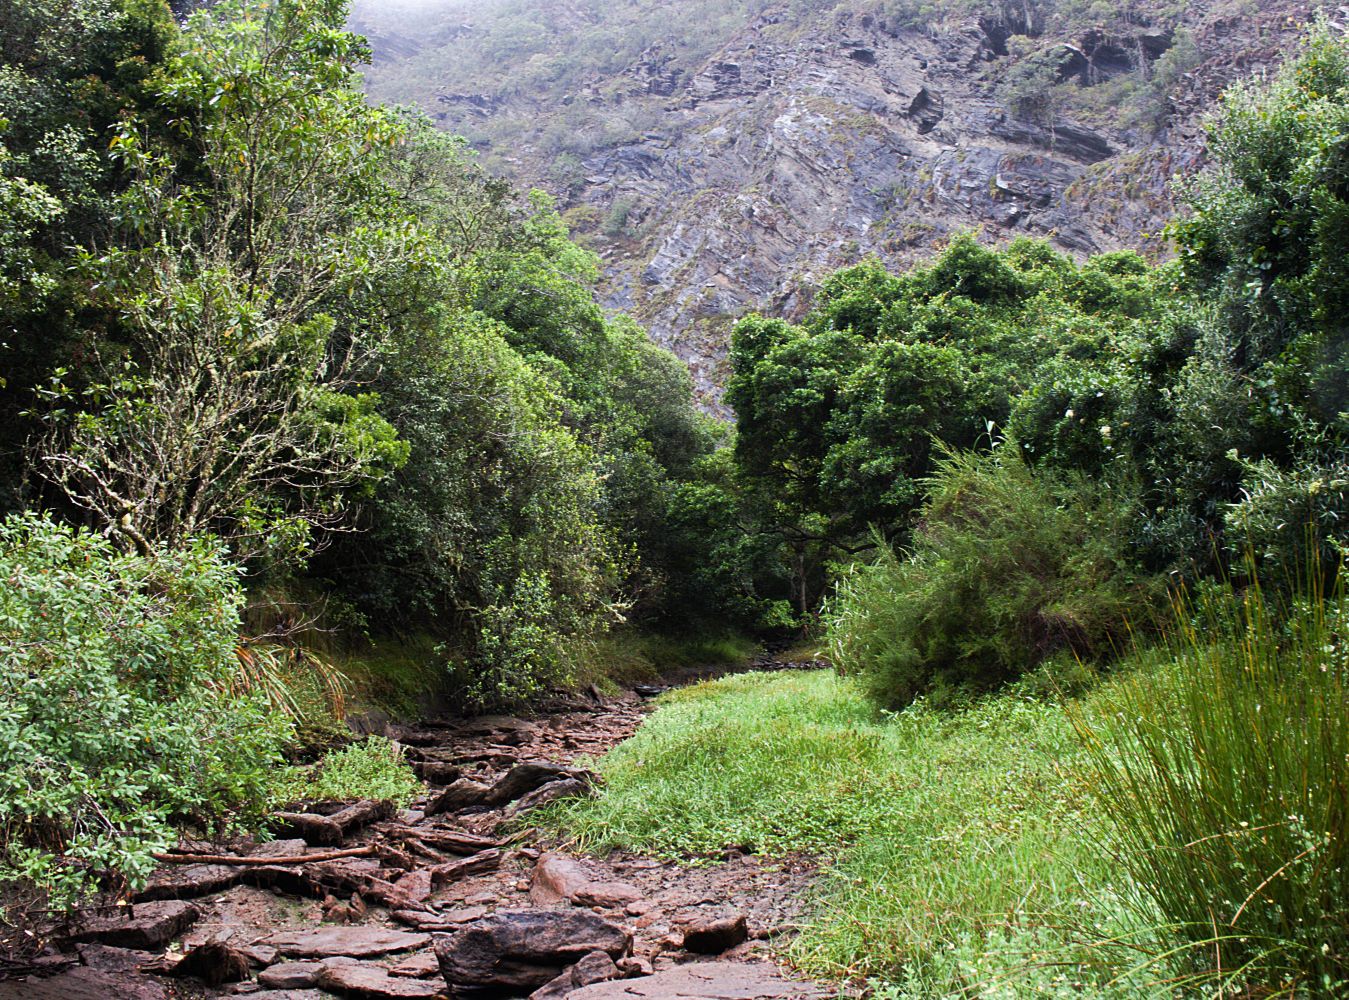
(1227, 781)
(116, 713)
(1008, 568)
(373, 769)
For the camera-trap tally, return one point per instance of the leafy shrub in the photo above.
(1227, 781)
(1283, 510)
(1008, 568)
(372, 769)
(116, 717)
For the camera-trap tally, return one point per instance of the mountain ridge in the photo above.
(711, 185)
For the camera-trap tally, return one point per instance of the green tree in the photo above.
(237, 410)
(1267, 239)
(69, 71)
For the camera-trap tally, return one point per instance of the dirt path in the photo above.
(453, 897)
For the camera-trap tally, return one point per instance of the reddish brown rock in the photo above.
(711, 935)
(356, 942)
(597, 967)
(327, 831)
(525, 778)
(423, 921)
(419, 966)
(558, 878)
(564, 788)
(84, 984)
(707, 980)
(461, 794)
(375, 983)
(634, 966)
(290, 976)
(188, 882)
(214, 963)
(437, 772)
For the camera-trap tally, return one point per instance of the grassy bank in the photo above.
(961, 846)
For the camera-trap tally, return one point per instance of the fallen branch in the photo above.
(226, 859)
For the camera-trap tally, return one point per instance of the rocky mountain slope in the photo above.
(734, 174)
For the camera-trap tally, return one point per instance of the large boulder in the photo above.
(521, 950)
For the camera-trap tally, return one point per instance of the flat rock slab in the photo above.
(558, 878)
(708, 981)
(423, 921)
(357, 942)
(188, 882)
(421, 966)
(146, 925)
(293, 975)
(370, 981)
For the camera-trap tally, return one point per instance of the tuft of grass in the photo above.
(957, 861)
(1227, 780)
(372, 769)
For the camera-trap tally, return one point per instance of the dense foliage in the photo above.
(300, 315)
(117, 719)
(840, 417)
(1008, 569)
(292, 360)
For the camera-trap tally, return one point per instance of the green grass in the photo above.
(960, 846)
(628, 656)
(400, 677)
(372, 769)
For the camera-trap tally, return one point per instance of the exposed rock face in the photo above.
(804, 145)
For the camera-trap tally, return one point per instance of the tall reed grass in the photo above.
(1226, 781)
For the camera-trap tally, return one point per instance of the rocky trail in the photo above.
(454, 897)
